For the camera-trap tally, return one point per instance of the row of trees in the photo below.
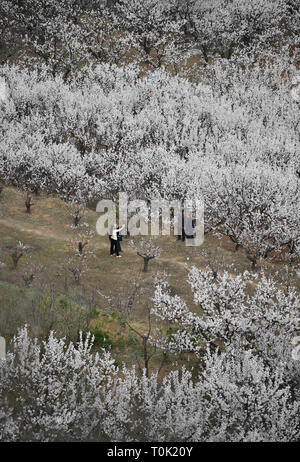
(66, 34)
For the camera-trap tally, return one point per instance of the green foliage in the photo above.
(122, 323)
(132, 340)
(172, 330)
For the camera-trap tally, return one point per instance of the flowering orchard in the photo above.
(174, 100)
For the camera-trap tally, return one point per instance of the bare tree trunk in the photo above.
(146, 263)
(15, 258)
(146, 356)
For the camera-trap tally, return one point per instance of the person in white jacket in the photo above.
(114, 248)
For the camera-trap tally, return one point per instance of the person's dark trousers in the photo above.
(114, 247)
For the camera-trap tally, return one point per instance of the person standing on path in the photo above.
(114, 248)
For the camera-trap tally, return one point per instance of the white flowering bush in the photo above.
(51, 389)
(237, 311)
